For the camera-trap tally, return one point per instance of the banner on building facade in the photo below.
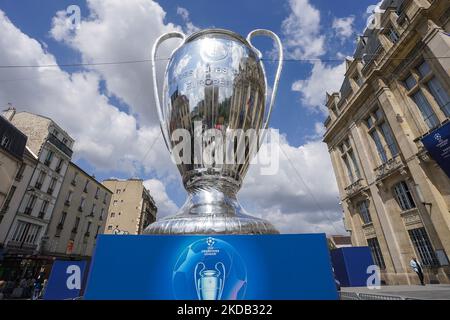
(66, 280)
(437, 144)
(231, 267)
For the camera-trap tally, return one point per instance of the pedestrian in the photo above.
(37, 289)
(417, 267)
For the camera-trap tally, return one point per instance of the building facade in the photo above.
(12, 149)
(396, 198)
(78, 217)
(52, 147)
(132, 207)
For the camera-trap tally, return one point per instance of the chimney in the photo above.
(9, 112)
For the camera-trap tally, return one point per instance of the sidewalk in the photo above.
(428, 292)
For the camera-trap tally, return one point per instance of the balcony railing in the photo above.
(41, 215)
(67, 203)
(80, 208)
(73, 182)
(354, 188)
(60, 226)
(388, 167)
(47, 162)
(28, 210)
(38, 185)
(50, 191)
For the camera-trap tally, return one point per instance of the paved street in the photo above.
(428, 292)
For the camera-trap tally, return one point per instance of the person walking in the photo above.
(417, 267)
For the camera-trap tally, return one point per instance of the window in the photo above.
(30, 204)
(423, 246)
(86, 186)
(64, 140)
(44, 207)
(422, 87)
(5, 141)
(118, 191)
(393, 35)
(382, 136)
(349, 159)
(26, 233)
(69, 197)
(379, 145)
(52, 185)
(62, 219)
(59, 166)
(425, 108)
(403, 196)
(55, 133)
(74, 180)
(113, 214)
(8, 199)
(104, 198)
(363, 208)
(76, 225)
(440, 95)
(40, 180)
(97, 192)
(376, 252)
(102, 213)
(81, 207)
(48, 158)
(88, 229)
(109, 227)
(19, 174)
(93, 209)
(115, 203)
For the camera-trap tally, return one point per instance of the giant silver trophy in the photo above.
(214, 80)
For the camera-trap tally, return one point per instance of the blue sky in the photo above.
(317, 35)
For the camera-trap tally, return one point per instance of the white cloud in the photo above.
(302, 196)
(119, 30)
(324, 78)
(343, 27)
(190, 27)
(301, 31)
(108, 138)
(166, 207)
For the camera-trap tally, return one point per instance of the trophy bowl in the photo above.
(214, 82)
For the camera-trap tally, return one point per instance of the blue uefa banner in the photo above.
(234, 267)
(437, 144)
(66, 280)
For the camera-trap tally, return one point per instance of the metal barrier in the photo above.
(370, 296)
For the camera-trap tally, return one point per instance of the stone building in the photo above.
(52, 147)
(78, 217)
(396, 198)
(132, 207)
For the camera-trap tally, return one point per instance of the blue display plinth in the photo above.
(233, 267)
(351, 265)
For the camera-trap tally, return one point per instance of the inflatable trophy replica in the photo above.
(214, 81)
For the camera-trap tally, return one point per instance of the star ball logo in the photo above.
(438, 137)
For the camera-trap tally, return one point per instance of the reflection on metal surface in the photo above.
(214, 80)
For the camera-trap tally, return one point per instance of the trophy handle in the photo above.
(196, 279)
(264, 32)
(158, 42)
(222, 280)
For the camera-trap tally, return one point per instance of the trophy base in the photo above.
(205, 225)
(210, 210)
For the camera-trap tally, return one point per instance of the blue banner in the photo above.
(437, 144)
(66, 280)
(234, 267)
